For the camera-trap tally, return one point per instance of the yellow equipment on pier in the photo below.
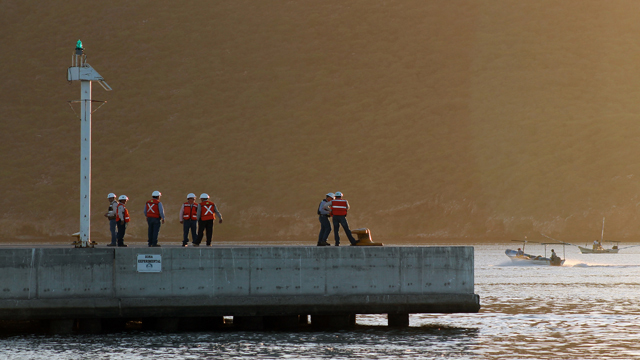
(364, 237)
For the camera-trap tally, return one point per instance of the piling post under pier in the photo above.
(282, 322)
(61, 326)
(90, 326)
(248, 322)
(341, 321)
(398, 320)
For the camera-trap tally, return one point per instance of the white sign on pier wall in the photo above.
(150, 263)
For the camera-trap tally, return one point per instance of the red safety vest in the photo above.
(153, 210)
(207, 210)
(339, 207)
(190, 212)
(125, 212)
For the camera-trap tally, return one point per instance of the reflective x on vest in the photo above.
(150, 208)
(208, 210)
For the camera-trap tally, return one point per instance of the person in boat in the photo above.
(554, 257)
(519, 252)
(597, 245)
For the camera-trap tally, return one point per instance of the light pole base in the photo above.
(77, 243)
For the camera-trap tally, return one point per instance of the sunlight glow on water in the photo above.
(587, 309)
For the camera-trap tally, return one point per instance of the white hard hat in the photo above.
(123, 197)
(156, 193)
(191, 196)
(111, 195)
(204, 196)
(338, 193)
(331, 195)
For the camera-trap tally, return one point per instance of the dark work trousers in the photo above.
(122, 228)
(154, 229)
(325, 228)
(342, 220)
(202, 226)
(114, 232)
(186, 226)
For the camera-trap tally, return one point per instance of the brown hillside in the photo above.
(438, 119)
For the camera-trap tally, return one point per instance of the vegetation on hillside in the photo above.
(438, 119)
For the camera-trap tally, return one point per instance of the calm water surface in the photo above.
(587, 309)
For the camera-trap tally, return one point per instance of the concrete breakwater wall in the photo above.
(68, 283)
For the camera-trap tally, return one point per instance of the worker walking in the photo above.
(122, 219)
(154, 212)
(207, 212)
(339, 209)
(189, 219)
(324, 213)
(111, 215)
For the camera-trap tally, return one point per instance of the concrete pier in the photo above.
(248, 283)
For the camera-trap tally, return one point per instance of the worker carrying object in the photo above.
(339, 208)
(122, 219)
(189, 219)
(324, 213)
(154, 212)
(207, 212)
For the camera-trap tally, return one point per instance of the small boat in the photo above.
(519, 256)
(530, 259)
(597, 247)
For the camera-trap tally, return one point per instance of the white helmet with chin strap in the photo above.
(156, 193)
(123, 197)
(204, 196)
(111, 196)
(191, 196)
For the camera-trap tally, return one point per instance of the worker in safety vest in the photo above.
(189, 218)
(122, 219)
(154, 212)
(339, 208)
(111, 215)
(207, 212)
(324, 213)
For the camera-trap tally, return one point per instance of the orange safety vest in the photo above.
(190, 212)
(126, 213)
(152, 208)
(339, 207)
(207, 210)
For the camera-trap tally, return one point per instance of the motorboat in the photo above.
(519, 256)
(597, 247)
(531, 259)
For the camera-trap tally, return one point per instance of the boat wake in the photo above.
(569, 263)
(520, 264)
(585, 265)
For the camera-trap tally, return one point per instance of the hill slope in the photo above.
(483, 120)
